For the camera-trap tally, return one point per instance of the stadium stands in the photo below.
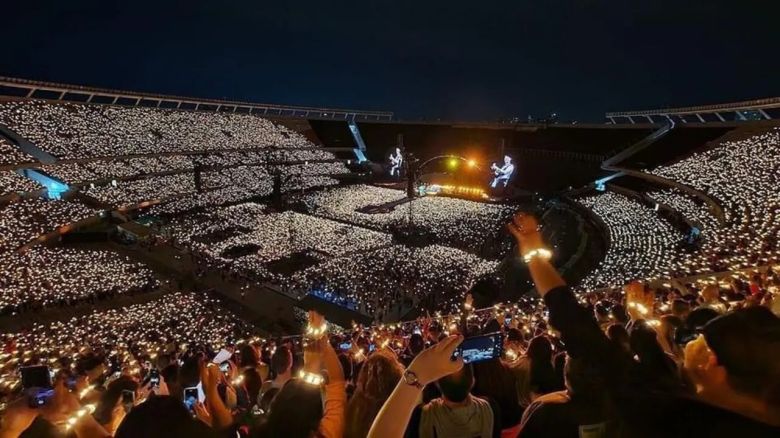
(253, 203)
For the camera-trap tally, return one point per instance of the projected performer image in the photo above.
(396, 161)
(503, 173)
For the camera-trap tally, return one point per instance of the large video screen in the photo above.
(502, 172)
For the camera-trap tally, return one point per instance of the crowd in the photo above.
(740, 175)
(286, 162)
(743, 177)
(357, 264)
(59, 277)
(301, 183)
(451, 221)
(253, 178)
(99, 170)
(74, 131)
(637, 362)
(662, 356)
(389, 281)
(26, 219)
(641, 243)
(126, 193)
(252, 241)
(12, 182)
(125, 337)
(204, 200)
(11, 155)
(692, 209)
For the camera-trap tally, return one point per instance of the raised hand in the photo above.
(525, 228)
(435, 362)
(210, 376)
(202, 413)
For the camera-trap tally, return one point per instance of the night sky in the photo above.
(475, 60)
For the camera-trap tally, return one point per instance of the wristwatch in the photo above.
(411, 379)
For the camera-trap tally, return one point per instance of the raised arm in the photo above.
(530, 244)
(430, 365)
(578, 327)
(334, 411)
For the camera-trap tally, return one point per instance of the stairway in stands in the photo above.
(361, 145)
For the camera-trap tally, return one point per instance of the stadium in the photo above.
(188, 266)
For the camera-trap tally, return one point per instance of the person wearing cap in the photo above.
(735, 363)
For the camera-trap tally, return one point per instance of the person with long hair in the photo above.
(253, 370)
(377, 379)
(542, 376)
(494, 380)
(655, 368)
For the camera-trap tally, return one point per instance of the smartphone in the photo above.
(480, 348)
(191, 397)
(345, 346)
(37, 376)
(36, 383)
(417, 331)
(154, 377)
(224, 367)
(128, 399)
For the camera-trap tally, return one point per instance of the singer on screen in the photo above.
(502, 173)
(396, 161)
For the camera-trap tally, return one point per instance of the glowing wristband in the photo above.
(88, 409)
(543, 253)
(311, 378)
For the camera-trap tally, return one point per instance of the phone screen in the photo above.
(190, 397)
(128, 399)
(154, 377)
(128, 396)
(224, 366)
(480, 348)
(345, 346)
(36, 377)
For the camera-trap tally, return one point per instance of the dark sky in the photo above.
(477, 60)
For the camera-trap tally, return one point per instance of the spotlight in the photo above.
(453, 163)
(472, 163)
